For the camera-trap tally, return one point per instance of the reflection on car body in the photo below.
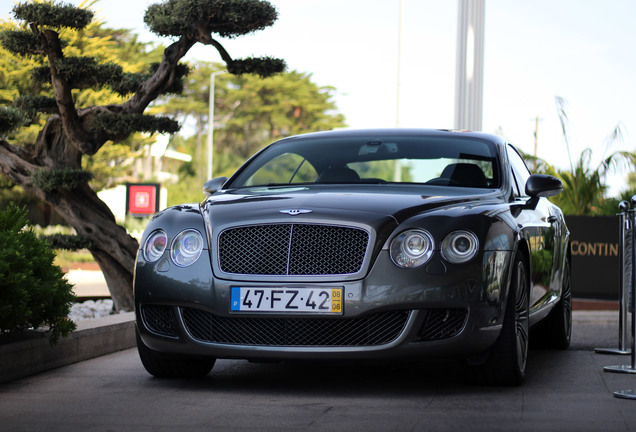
(368, 244)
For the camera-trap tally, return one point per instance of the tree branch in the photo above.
(17, 164)
(71, 123)
(224, 54)
(163, 77)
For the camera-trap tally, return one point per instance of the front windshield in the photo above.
(432, 160)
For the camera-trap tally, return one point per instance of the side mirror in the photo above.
(213, 185)
(543, 186)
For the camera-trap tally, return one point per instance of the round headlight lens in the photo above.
(460, 246)
(411, 248)
(186, 247)
(155, 245)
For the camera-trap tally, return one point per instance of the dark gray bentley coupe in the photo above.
(367, 244)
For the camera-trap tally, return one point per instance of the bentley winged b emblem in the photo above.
(294, 212)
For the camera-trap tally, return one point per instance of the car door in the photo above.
(536, 220)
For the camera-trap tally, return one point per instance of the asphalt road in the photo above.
(563, 391)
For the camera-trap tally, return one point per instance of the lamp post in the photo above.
(397, 166)
(211, 122)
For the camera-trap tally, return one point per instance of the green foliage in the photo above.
(106, 65)
(287, 168)
(128, 83)
(33, 291)
(32, 105)
(261, 66)
(53, 15)
(227, 18)
(194, 100)
(68, 241)
(87, 72)
(66, 178)
(113, 161)
(69, 259)
(542, 265)
(123, 124)
(11, 119)
(15, 70)
(249, 113)
(136, 225)
(35, 99)
(20, 42)
(584, 186)
(186, 190)
(271, 108)
(81, 72)
(10, 193)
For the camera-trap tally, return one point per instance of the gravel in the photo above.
(91, 309)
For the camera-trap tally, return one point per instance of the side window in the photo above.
(288, 168)
(520, 171)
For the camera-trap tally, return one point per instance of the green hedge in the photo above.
(33, 291)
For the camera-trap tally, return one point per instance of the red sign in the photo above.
(142, 199)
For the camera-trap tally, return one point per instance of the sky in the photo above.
(579, 50)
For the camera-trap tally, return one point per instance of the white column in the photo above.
(469, 79)
(210, 141)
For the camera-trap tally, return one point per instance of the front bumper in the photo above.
(433, 311)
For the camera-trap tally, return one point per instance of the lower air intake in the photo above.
(371, 330)
(443, 324)
(159, 319)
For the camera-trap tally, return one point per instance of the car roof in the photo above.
(372, 132)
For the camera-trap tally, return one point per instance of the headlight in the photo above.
(460, 246)
(155, 245)
(186, 247)
(411, 248)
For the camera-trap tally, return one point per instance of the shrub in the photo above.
(33, 291)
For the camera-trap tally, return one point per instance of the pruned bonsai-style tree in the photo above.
(51, 167)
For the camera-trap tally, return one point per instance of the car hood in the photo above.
(367, 204)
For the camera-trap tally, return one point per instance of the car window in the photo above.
(405, 159)
(288, 168)
(520, 171)
(422, 170)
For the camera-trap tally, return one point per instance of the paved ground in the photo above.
(88, 283)
(564, 391)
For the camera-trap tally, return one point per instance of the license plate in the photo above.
(287, 300)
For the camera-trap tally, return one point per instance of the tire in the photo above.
(555, 331)
(172, 366)
(506, 362)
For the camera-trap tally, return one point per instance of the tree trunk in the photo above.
(113, 248)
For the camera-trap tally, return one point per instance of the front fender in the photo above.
(163, 279)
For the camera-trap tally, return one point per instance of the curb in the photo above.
(92, 338)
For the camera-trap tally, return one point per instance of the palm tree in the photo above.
(584, 187)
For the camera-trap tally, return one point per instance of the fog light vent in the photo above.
(443, 323)
(159, 319)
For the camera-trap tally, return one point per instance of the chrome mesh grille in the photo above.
(371, 330)
(292, 249)
(159, 319)
(443, 324)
